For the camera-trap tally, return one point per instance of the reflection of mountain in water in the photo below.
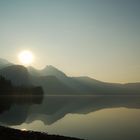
(54, 108)
(20, 95)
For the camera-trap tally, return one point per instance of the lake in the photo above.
(87, 117)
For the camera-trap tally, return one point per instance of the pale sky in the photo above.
(96, 38)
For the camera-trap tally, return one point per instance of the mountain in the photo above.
(53, 85)
(50, 70)
(33, 71)
(134, 86)
(4, 63)
(81, 85)
(54, 81)
(47, 71)
(86, 85)
(18, 75)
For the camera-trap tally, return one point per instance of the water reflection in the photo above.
(99, 118)
(54, 108)
(106, 124)
(14, 108)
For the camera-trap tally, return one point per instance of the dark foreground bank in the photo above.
(14, 134)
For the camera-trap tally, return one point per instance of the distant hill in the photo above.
(34, 72)
(47, 71)
(81, 85)
(50, 70)
(55, 81)
(17, 74)
(14, 134)
(133, 86)
(53, 85)
(4, 63)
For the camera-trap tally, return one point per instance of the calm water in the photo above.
(88, 117)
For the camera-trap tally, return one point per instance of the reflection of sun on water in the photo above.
(23, 129)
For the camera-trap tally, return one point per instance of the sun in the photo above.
(26, 57)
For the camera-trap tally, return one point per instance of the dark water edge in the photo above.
(14, 134)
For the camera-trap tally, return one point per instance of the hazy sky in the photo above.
(97, 38)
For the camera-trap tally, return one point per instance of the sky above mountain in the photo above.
(97, 38)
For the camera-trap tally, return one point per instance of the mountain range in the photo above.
(56, 82)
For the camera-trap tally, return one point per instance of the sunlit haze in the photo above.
(25, 57)
(95, 38)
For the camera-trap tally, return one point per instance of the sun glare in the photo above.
(25, 57)
(23, 129)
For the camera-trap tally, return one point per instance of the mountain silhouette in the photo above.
(47, 71)
(34, 72)
(52, 85)
(86, 85)
(4, 63)
(57, 82)
(17, 74)
(50, 70)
